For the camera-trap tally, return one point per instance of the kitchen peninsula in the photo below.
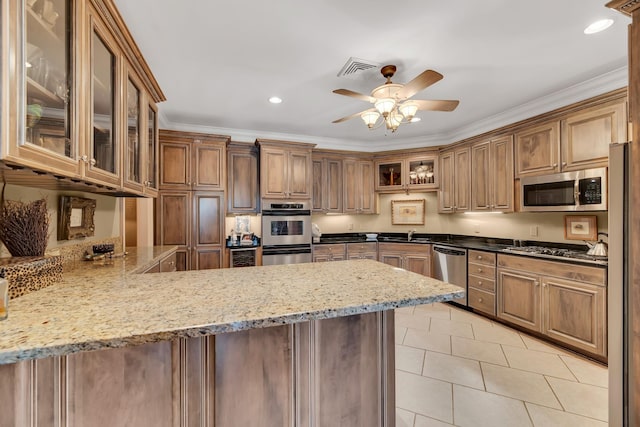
(286, 345)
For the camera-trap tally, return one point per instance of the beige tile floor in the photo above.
(454, 368)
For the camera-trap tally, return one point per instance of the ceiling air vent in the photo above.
(355, 66)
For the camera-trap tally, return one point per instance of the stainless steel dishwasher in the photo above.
(450, 265)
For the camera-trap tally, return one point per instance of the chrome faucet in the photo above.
(410, 234)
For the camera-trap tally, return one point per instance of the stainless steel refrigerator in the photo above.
(619, 313)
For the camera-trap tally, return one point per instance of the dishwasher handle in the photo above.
(450, 251)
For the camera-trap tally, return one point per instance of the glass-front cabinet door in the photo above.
(151, 184)
(47, 135)
(407, 173)
(133, 145)
(103, 163)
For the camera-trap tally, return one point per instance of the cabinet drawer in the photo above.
(481, 257)
(357, 248)
(336, 249)
(168, 264)
(482, 301)
(482, 270)
(483, 283)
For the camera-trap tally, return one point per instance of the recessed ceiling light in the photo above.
(275, 100)
(598, 26)
(415, 119)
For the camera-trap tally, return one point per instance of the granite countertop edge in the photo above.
(119, 308)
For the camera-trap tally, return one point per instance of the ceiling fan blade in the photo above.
(353, 116)
(352, 94)
(422, 81)
(436, 105)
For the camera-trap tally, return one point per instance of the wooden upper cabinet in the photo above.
(358, 188)
(406, 173)
(455, 185)
(327, 184)
(243, 195)
(580, 140)
(586, 135)
(79, 111)
(537, 149)
(192, 161)
(285, 170)
(492, 176)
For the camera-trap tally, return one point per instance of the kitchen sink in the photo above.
(404, 239)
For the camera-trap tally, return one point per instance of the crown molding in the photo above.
(607, 82)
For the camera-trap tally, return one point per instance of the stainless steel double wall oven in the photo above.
(286, 232)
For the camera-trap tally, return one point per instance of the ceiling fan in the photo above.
(392, 100)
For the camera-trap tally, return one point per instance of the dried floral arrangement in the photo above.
(24, 227)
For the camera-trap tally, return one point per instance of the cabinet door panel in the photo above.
(462, 180)
(242, 181)
(537, 150)
(350, 196)
(575, 314)
(519, 299)
(501, 173)
(300, 175)
(334, 186)
(319, 176)
(446, 195)
(391, 259)
(174, 210)
(207, 258)
(480, 177)
(208, 166)
(586, 136)
(123, 386)
(418, 264)
(175, 166)
(367, 197)
(274, 174)
(208, 217)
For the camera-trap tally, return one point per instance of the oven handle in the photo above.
(284, 212)
(286, 249)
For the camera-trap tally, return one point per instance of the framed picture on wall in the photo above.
(407, 212)
(581, 227)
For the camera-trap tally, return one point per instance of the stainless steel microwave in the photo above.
(584, 190)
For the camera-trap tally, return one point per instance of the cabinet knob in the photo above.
(479, 270)
(479, 282)
(564, 163)
(555, 165)
(480, 299)
(479, 256)
(93, 162)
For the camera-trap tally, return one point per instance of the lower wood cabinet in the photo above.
(333, 252)
(409, 256)
(565, 302)
(327, 372)
(364, 250)
(481, 281)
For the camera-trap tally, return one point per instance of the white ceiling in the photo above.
(218, 62)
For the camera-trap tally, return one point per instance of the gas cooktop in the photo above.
(556, 253)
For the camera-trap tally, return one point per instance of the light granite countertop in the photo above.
(106, 306)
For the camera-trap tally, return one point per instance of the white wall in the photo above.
(511, 226)
(106, 219)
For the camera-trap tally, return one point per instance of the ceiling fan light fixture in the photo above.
(385, 105)
(275, 100)
(415, 119)
(408, 110)
(393, 120)
(370, 118)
